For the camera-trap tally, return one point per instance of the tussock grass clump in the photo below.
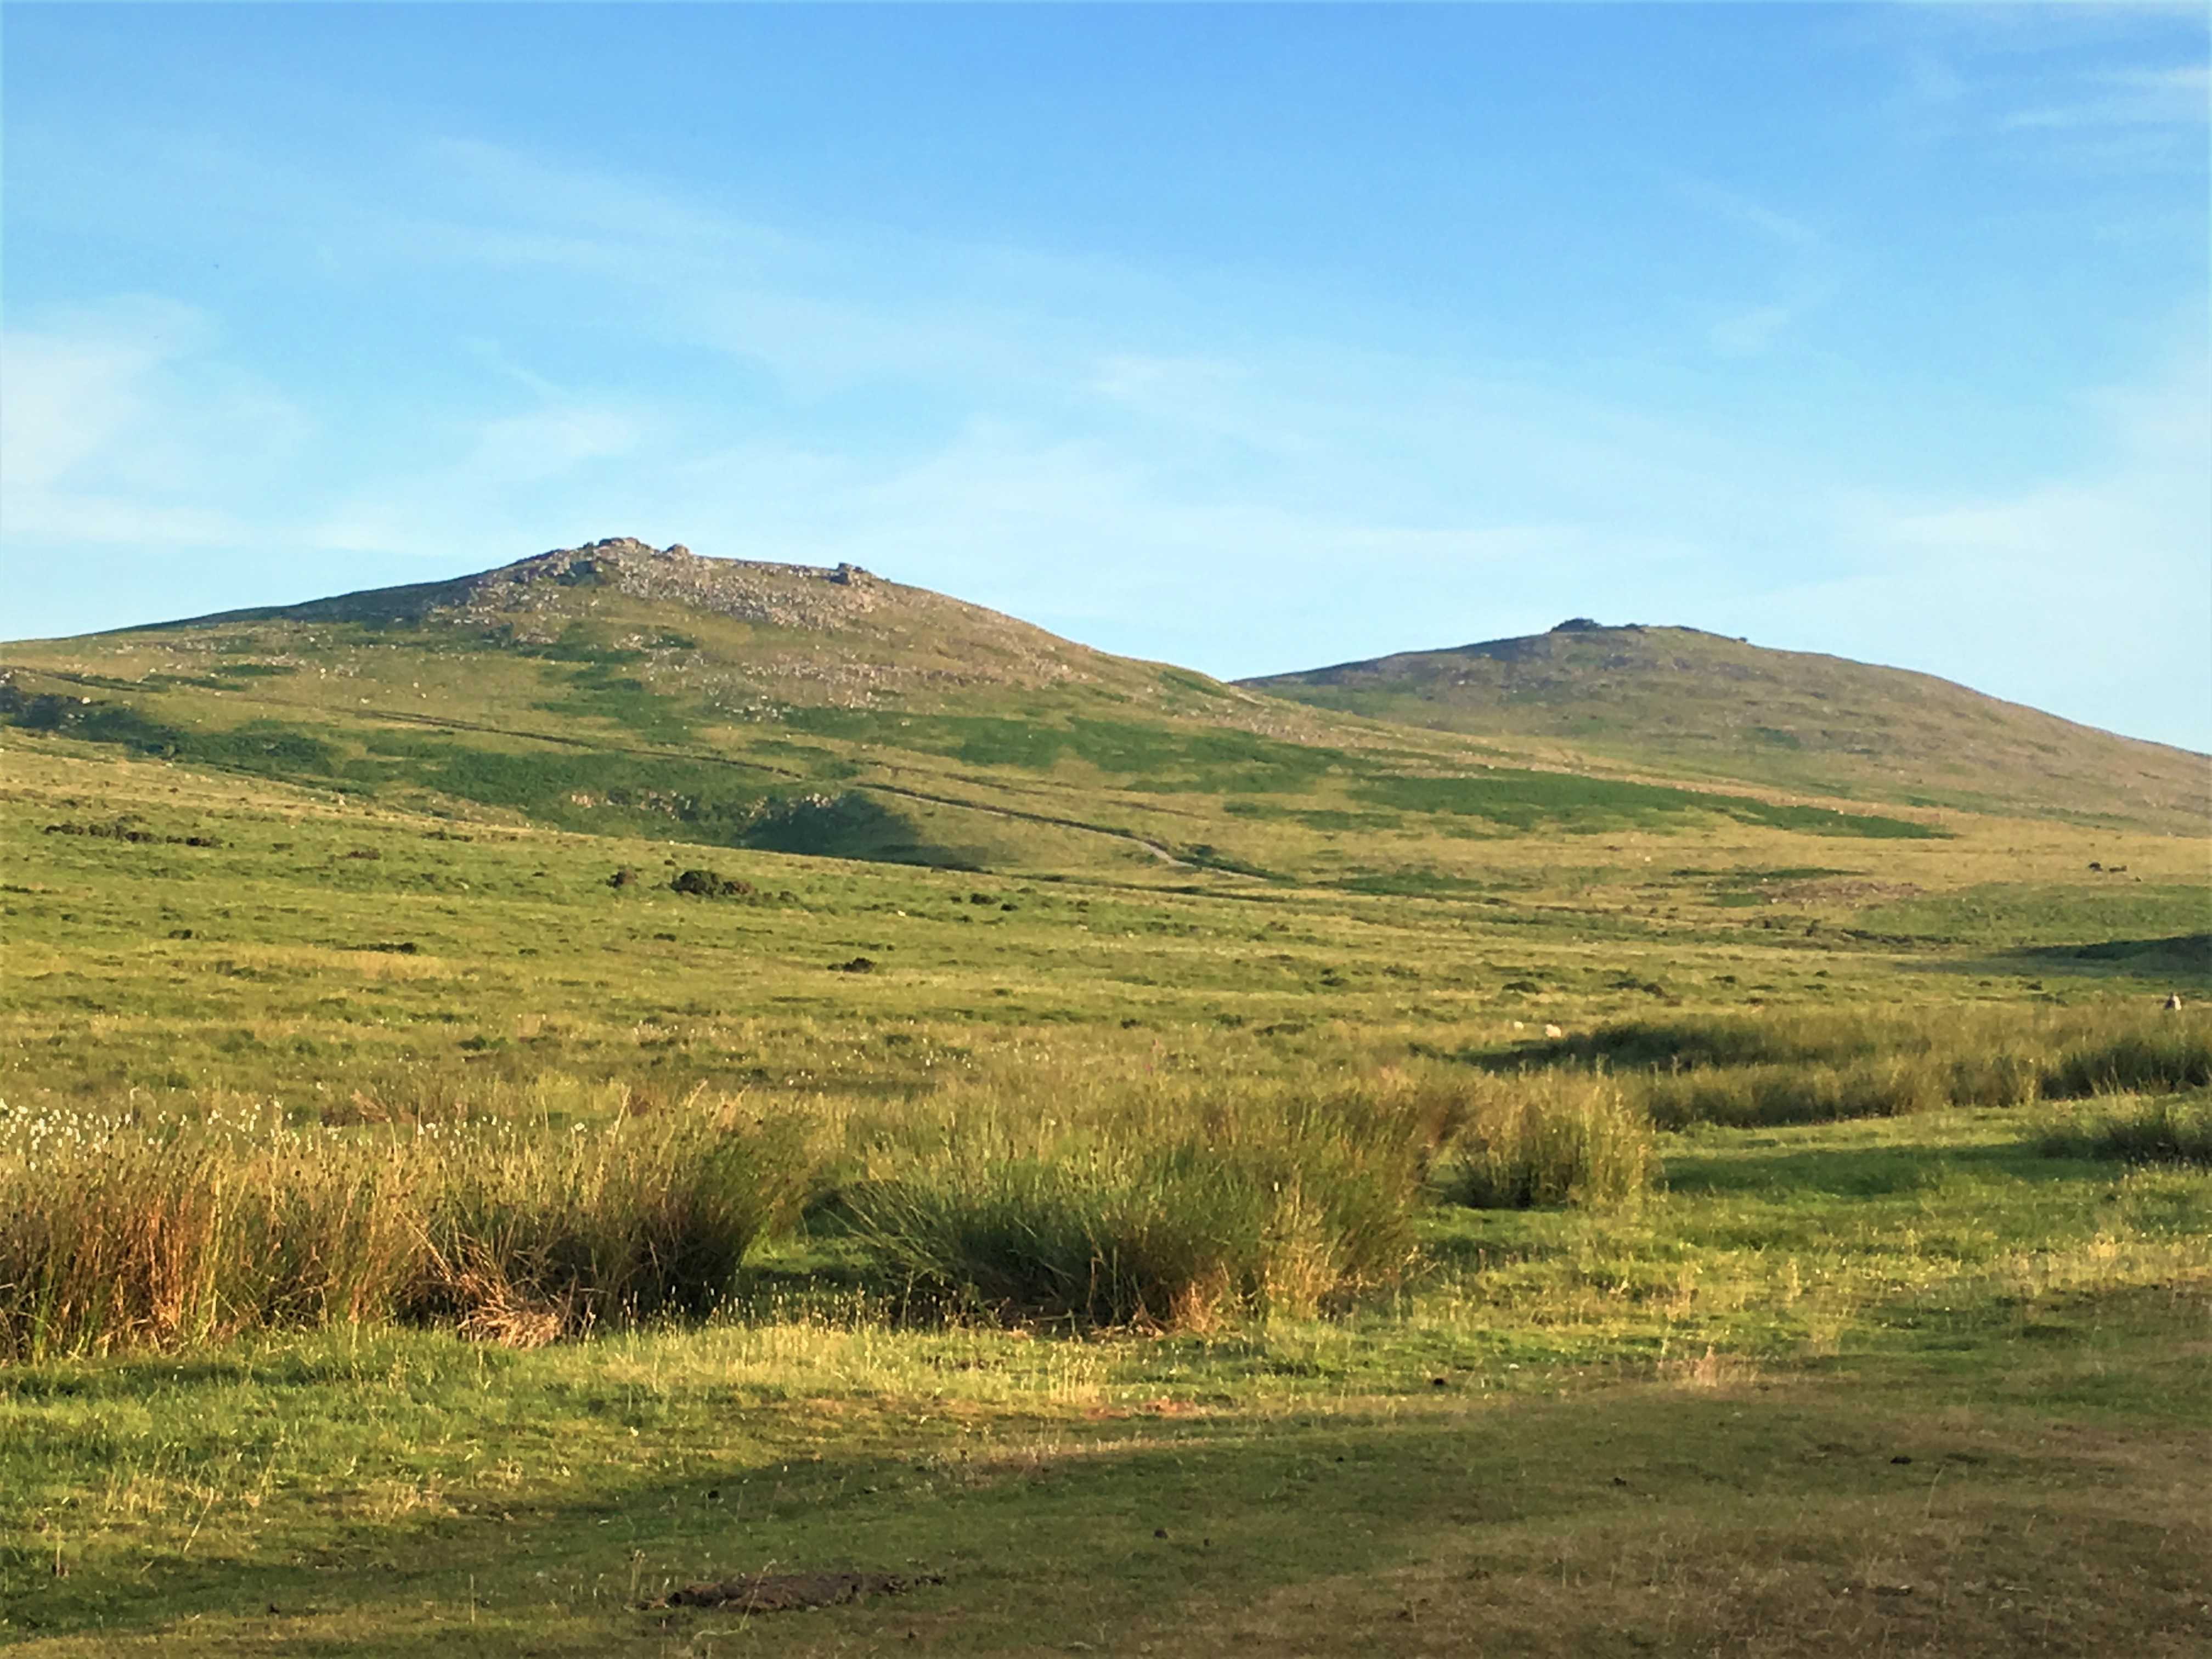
(1164, 1203)
(1746, 1069)
(2162, 1131)
(2173, 1054)
(1748, 1096)
(533, 1236)
(1153, 1206)
(1546, 1140)
(1052, 1191)
(118, 1233)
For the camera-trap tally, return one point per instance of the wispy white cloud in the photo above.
(2170, 95)
(1801, 254)
(113, 418)
(1740, 208)
(1753, 330)
(2090, 592)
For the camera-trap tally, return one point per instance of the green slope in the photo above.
(1700, 705)
(620, 689)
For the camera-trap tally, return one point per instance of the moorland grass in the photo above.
(2166, 1130)
(121, 1233)
(1170, 1256)
(1165, 1203)
(1806, 1065)
(1546, 1140)
(1828, 1372)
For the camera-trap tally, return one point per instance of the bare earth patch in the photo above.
(788, 1592)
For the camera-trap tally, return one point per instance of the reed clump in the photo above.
(2174, 1053)
(118, 1233)
(1060, 1192)
(1771, 1068)
(1154, 1205)
(1546, 1140)
(2166, 1130)
(534, 1236)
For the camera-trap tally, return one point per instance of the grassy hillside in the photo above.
(220, 931)
(1704, 706)
(619, 689)
(1910, 1378)
(523, 1094)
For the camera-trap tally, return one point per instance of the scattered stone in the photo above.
(122, 830)
(708, 884)
(798, 596)
(787, 1592)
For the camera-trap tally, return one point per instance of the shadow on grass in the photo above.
(2182, 959)
(1279, 1530)
(1859, 1172)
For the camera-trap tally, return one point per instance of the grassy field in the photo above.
(1212, 1188)
(1912, 1382)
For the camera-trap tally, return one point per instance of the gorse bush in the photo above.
(118, 1234)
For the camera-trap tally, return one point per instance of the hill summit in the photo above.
(781, 595)
(806, 633)
(1705, 705)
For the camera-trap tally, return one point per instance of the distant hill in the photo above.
(621, 688)
(1700, 705)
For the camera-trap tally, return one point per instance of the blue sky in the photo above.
(1246, 336)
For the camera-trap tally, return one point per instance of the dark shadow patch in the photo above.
(789, 1592)
(1851, 1172)
(2190, 952)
